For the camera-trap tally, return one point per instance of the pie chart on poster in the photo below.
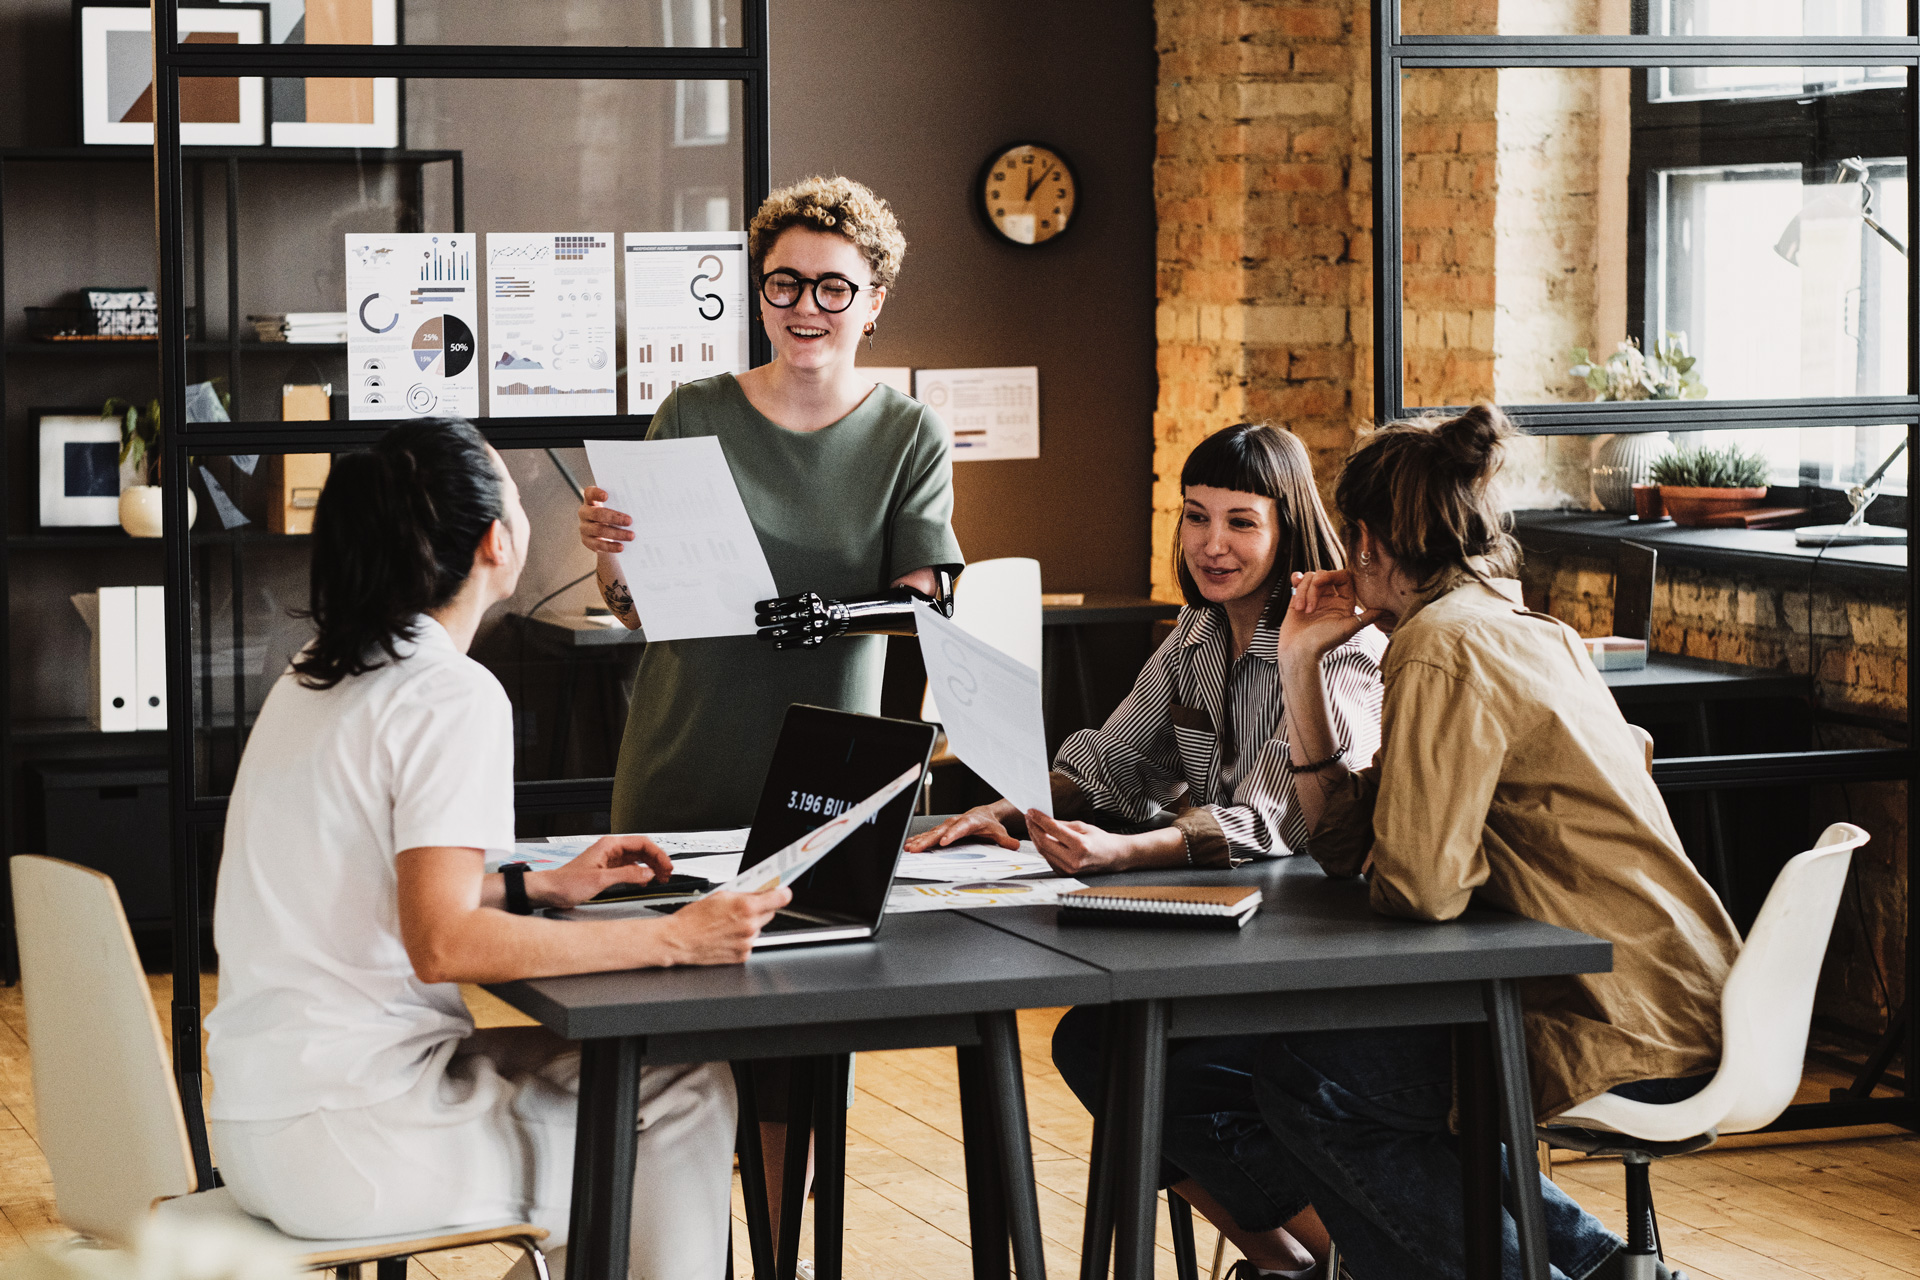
(444, 346)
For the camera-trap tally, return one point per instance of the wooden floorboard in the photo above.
(1842, 1205)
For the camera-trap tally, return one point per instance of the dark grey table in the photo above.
(931, 979)
(1064, 642)
(1669, 677)
(1316, 958)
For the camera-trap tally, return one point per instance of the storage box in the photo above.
(110, 815)
(294, 481)
(1617, 653)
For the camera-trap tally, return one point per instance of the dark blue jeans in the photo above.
(1362, 1121)
(1213, 1132)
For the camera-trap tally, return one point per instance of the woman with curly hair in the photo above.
(850, 488)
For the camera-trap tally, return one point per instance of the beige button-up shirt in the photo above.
(1506, 774)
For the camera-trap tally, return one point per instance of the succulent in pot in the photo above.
(1697, 482)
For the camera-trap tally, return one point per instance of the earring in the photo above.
(1366, 560)
(869, 332)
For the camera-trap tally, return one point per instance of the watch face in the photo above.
(1028, 194)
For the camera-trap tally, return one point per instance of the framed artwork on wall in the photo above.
(348, 111)
(116, 76)
(79, 485)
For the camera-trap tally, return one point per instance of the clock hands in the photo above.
(1034, 185)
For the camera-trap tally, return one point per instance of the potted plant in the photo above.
(1699, 483)
(1631, 374)
(140, 455)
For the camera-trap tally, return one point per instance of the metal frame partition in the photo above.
(193, 815)
(1394, 52)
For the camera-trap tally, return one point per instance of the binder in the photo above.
(150, 657)
(112, 666)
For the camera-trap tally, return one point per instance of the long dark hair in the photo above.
(1424, 489)
(394, 535)
(1271, 462)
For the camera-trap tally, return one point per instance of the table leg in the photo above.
(1516, 1120)
(1007, 1094)
(1479, 1150)
(1080, 678)
(563, 718)
(600, 1218)
(1096, 1239)
(1144, 1036)
(753, 1173)
(986, 1193)
(1719, 871)
(830, 1165)
(793, 1189)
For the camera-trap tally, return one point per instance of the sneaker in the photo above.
(803, 1270)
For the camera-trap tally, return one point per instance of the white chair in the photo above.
(1765, 1011)
(997, 601)
(110, 1120)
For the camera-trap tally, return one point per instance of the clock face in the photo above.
(1027, 193)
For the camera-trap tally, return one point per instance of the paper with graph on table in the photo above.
(695, 565)
(990, 707)
(798, 858)
(969, 895)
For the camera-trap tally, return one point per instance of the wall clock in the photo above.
(1027, 193)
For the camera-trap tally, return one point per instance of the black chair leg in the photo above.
(1186, 1259)
(391, 1269)
(1643, 1248)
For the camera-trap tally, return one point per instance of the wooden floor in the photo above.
(1846, 1207)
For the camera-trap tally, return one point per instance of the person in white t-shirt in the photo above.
(352, 1094)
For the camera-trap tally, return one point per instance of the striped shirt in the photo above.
(1203, 735)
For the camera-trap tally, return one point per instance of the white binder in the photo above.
(112, 687)
(150, 657)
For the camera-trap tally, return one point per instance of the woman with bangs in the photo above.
(1193, 770)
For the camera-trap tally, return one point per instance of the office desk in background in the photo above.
(1064, 655)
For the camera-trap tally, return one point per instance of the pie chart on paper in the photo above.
(443, 346)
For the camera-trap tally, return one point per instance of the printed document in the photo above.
(798, 858)
(694, 566)
(990, 706)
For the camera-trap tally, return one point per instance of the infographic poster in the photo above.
(686, 310)
(992, 413)
(411, 317)
(550, 317)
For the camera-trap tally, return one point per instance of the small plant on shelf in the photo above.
(1632, 374)
(140, 430)
(1699, 467)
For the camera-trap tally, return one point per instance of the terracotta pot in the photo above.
(1693, 507)
(140, 510)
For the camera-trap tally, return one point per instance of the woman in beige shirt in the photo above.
(1505, 775)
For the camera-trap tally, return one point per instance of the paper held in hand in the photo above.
(798, 858)
(694, 566)
(990, 706)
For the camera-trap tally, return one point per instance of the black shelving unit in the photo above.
(233, 356)
(196, 816)
(1394, 52)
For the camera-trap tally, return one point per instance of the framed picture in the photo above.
(79, 469)
(349, 111)
(116, 77)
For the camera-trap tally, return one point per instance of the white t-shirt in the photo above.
(319, 1007)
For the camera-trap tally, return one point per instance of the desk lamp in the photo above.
(1856, 532)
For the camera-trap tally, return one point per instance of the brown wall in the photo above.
(911, 99)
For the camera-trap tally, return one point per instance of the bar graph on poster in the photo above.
(991, 413)
(686, 310)
(550, 324)
(411, 317)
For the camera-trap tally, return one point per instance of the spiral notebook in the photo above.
(1160, 906)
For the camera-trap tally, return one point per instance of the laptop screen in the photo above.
(1633, 591)
(827, 762)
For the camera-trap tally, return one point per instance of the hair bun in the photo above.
(1474, 438)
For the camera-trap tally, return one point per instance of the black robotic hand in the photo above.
(807, 620)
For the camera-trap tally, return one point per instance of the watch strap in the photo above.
(515, 876)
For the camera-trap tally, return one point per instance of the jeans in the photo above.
(1213, 1131)
(1362, 1122)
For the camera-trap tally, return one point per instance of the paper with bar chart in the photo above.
(411, 317)
(550, 318)
(694, 566)
(686, 310)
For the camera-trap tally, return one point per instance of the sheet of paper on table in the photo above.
(991, 709)
(973, 862)
(712, 849)
(694, 566)
(971, 895)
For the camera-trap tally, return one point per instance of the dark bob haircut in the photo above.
(1272, 463)
(394, 536)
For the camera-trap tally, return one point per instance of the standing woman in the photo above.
(850, 488)
(1507, 776)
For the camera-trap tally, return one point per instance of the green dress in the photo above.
(844, 511)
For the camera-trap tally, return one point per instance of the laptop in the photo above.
(825, 762)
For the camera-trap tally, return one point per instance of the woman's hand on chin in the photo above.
(1077, 847)
(1322, 615)
(987, 822)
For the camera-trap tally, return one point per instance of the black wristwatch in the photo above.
(515, 876)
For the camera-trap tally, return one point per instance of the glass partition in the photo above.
(1656, 17)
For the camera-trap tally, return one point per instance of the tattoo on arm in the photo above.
(618, 598)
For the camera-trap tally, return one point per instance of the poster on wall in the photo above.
(686, 310)
(991, 413)
(411, 317)
(341, 111)
(116, 78)
(550, 324)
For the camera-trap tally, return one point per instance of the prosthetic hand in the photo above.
(805, 620)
